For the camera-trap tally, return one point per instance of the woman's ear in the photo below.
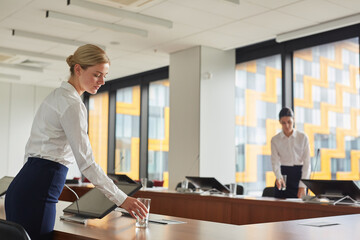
(77, 69)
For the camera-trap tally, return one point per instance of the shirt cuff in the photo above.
(118, 198)
(301, 184)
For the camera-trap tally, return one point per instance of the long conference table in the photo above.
(238, 210)
(116, 226)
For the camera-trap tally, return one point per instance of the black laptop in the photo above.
(117, 178)
(333, 189)
(208, 183)
(94, 204)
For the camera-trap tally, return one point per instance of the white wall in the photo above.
(18, 105)
(184, 115)
(5, 90)
(217, 114)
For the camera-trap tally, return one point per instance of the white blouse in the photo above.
(291, 151)
(59, 134)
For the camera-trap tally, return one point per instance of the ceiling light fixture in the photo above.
(22, 67)
(44, 37)
(32, 54)
(92, 22)
(9, 76)
(122, 13)
(322, 27)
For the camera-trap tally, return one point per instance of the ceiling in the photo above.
(220, 24)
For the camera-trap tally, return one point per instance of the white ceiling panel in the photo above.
(212, 39)
(272, 4)
(10, 7)
(185, 15)
(278, 21)
(350, 4)
(317, 11)
(224, 8)
(244, 30)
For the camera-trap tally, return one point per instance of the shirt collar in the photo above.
(294, 134)
(70, 88)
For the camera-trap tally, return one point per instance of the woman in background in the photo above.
(290, 156)
(58, 138)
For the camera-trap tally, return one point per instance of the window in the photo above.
(327, 106)
(127, 131)
(98, 127)
(258, 99)
(158, 143)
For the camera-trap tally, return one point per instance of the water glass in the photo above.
(284, 177)
(143, 183)
(233, 189)
(143, 223)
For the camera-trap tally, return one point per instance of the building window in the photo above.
(158, 131)
(98, 127)
(127, 127)
(327, 106)
(258, 96)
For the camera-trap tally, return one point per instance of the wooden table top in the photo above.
(116, 226)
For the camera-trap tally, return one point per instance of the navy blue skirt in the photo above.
(292, 182)
(32, 196)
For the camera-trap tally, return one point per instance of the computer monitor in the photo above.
(120, 178)
(333, 189)
(94, 204)
(4, 184)
(208, 183)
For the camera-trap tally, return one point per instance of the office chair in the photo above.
(239, 189)
(190, 185)
(149, 184)
(12, 231)
(269, 192)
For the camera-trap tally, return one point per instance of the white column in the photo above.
(202, 115)
(217, 114)
(184, 136)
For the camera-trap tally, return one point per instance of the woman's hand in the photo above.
(280, 183)
(132, 205)
(301, 192)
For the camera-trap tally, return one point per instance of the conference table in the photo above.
(116, 226)
(237, 210)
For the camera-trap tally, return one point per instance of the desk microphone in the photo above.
(316, 161)
(308, 198)
(77, 198)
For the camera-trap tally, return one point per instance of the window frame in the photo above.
(143, 80)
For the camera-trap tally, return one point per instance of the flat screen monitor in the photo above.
(4, 184)
(94, 204)
(333, 189)
(208, 183)
(120, 178)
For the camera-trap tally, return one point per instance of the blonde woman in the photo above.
(59, 138)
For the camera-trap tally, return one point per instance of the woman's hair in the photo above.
(286, 112)
(86, 56)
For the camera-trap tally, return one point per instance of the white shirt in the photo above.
(59, 134)
(291, 151)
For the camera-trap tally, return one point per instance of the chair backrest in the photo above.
(149, 184)
(190, 185)
(12, 231)
(239, 189)
(269, 192)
